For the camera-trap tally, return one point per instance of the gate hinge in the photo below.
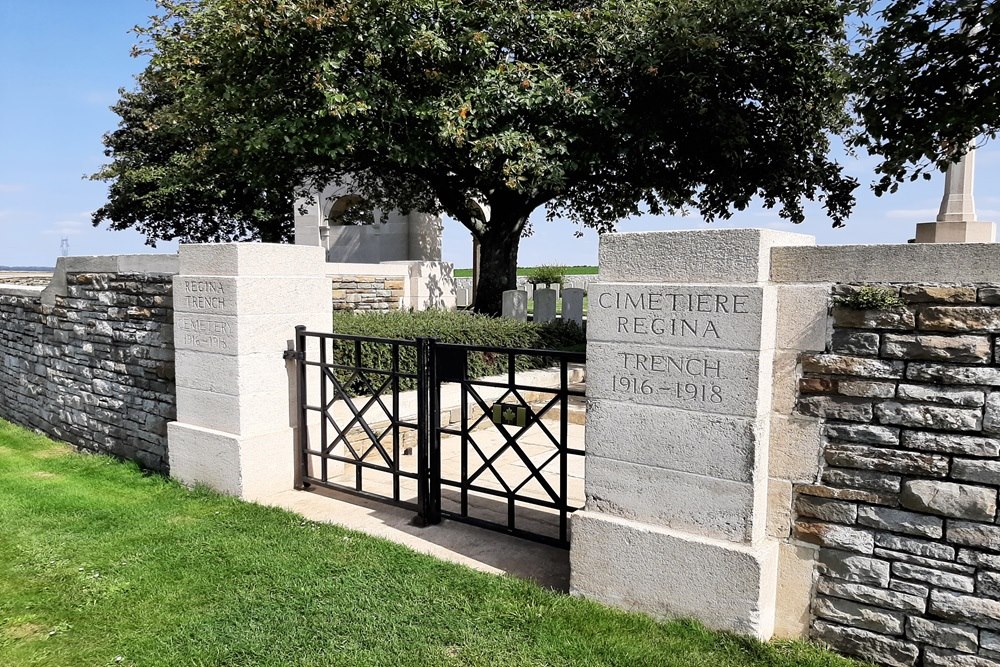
(293, 354)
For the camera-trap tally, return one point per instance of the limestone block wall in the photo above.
(903, 509)
(367, 292)
(90, 360)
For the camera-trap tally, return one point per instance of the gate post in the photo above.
(428, 447)
(681, 337)
(236, 306)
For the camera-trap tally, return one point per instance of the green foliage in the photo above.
(450, 327)
(926, 84)
(870, 297)
(101, 565)
(547, 274)
(596, 111)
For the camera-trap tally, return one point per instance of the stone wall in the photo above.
(367, 292)
(905, 508)
(90, 360)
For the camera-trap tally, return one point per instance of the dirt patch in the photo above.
(41, 474)
(52, 452)
(25, 631)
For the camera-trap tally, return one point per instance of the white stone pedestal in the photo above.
(967, 231)
(236, 306)
(681, 337)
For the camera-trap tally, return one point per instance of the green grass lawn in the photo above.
(523, 271)
(101, 566)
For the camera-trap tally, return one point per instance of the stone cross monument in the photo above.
(956, 221)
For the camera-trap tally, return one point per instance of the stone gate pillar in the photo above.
(236, 306)
(681, 332)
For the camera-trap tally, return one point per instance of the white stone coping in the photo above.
(167, 264)
(383, 270)
(30, 291)
(896, 263)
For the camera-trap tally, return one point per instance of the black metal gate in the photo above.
(483, 435)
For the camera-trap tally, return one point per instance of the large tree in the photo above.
(594, 110)
(927, 83)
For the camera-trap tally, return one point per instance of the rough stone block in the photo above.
(866, 644)
(835, 536)
(935, 578)
(899, 521)
(934, 657)
(958, 349)
(991, 418)
(960, 319)
(960, 608)
(866, 433)
(866, 457)
(976, 470)
(859, 615)
(968, 445)
(839, 364)
(937, 293)
(979, 559)
(977, 535)
(988, 584)
(897, 319)
(835, 407)
(854, 568)
(855, 343)
(928, 416)
(826, 509)
(821, 491)
(946, 635)
(863, 479)
(879, 597)
(943, 395)
(950, 374)
(960, 501)
(914, 546)
(621, 563)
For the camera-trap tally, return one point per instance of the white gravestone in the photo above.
(545, 306)
(572, 307)
(236, 306)
(515, 305)
(679, 394)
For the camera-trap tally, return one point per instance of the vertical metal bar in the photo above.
(359, 482)
(300, 378)
(465, 440)
(434, 435)
(563, 449)
(423, 442)
(395, 421)
(323, 429)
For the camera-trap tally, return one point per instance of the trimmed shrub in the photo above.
(548, 274)
(449, 327)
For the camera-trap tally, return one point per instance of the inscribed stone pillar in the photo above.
(515, 305)
(236, 306)
(681, 337)
(572, 309)
(545, 306)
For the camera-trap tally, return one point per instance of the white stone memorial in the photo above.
(236, 306)
(515, 305)
(681, 337)
(545, 306)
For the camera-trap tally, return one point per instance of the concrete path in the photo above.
(480, 549)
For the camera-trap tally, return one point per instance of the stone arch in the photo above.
(351, 210)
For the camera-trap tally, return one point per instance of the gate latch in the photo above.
(293, 354)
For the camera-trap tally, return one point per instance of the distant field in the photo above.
(523, 271)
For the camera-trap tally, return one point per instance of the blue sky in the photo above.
(63, 61)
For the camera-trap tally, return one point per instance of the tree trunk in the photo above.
(498, 262)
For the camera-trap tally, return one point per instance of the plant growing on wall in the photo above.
(870, 297)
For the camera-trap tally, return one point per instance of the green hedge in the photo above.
(449, 327)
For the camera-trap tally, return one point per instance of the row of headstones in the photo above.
(463, 295)
(515, 305)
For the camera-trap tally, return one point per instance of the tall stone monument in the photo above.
(956, 221)
(681, 339)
